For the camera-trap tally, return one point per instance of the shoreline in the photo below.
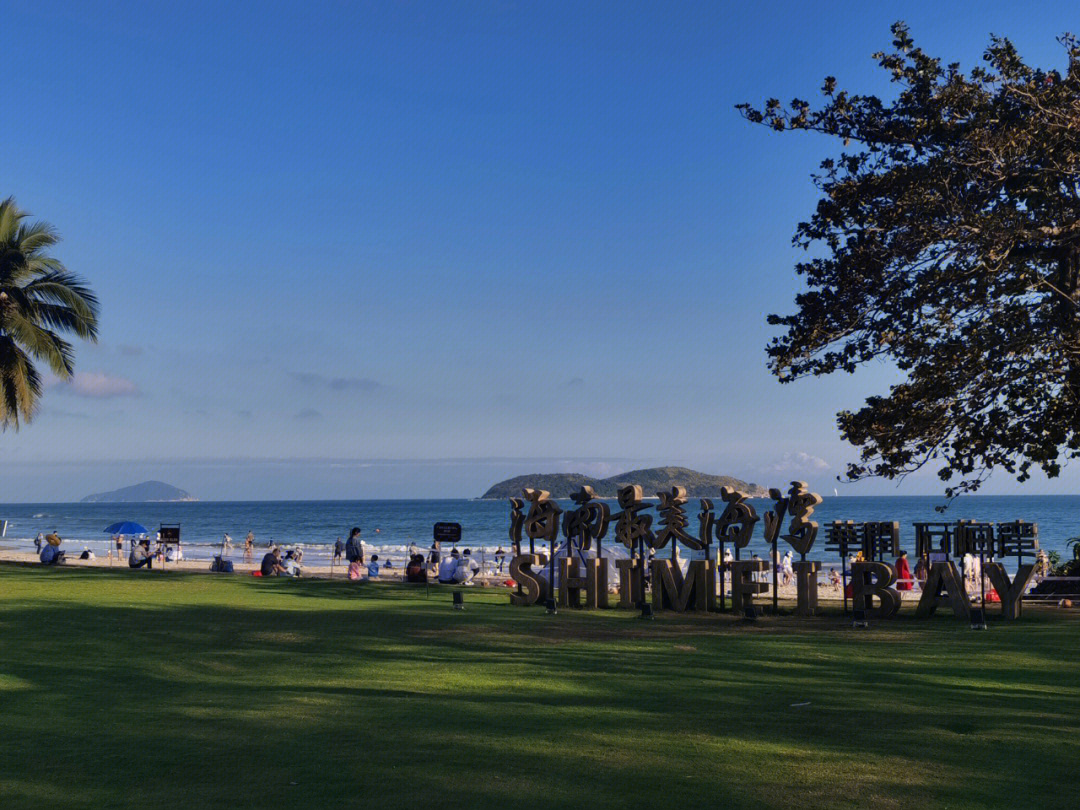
(319, 571)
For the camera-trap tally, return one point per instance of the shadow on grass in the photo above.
(221, 692)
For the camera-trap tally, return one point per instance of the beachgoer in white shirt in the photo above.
(447, 567)
(466, 569)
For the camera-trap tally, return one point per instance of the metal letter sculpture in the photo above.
(631, 582)
(671, 591)
(517, 522)
(542, 521)
(881, 540)
(944, 588)
(673, 521)
(533, 587)
(872, 579)
(588, 522)
(744, 586)
(1010, 593)
(572, 582)
(1018, 539)
(844, 538)
(806, 587)
(802, 532)
(934, 538)
(632, 528)
(736, 523)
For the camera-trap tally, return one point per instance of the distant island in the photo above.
(656, 479)
(146, 492)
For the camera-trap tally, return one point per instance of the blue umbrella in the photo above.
(126, 527)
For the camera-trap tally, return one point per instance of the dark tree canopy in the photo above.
(947, 242)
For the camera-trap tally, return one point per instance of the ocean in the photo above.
(391, 525)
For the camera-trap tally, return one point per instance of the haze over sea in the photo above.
(393, 524)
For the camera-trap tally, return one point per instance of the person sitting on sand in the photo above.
(291, 563)
(466, 569)
(271, 564)
(416, 571)
(50, 552)
(373, 567)
(447, 568)
(834, 579)
(140, 555)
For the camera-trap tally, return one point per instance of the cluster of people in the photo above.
(48, 547)
(458, 568)
(275, 565)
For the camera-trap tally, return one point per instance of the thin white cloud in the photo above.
(336, 383)
(799, 461)
(96, 385)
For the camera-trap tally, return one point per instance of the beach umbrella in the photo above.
(126, 527)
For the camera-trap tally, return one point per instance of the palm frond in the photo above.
(39, 302)
(20, 385)
(35, 237)
(42, 344)
(10, 216)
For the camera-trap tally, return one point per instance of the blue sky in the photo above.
(381, 249)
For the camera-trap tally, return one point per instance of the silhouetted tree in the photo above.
(947, 241)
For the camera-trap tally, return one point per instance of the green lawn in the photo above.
(148, 690)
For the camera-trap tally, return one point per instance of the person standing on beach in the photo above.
(249, 545)
(903, 573)
(500, 558)
(339, 549)
(921, 571)
(354, 551)
(435, 556)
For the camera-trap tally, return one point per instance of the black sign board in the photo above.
(170, 534)
(448, 532)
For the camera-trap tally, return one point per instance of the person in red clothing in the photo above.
(903, 573)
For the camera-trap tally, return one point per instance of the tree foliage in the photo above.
(947, 242)
(39, 301)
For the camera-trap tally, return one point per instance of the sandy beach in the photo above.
(321, 571)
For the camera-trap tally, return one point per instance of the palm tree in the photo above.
(39, 301)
